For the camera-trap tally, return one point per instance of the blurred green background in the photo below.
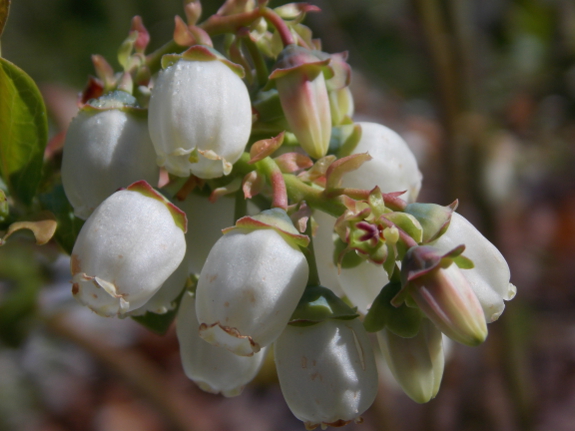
(484, 93)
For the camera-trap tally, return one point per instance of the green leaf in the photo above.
(23, 132)
(68, 225)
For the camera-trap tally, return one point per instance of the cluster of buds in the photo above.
(260, 136)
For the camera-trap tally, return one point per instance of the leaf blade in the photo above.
(23, 131)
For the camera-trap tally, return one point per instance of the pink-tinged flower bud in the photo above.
(327, 371)
(490, 276)
(107, 147)
(442, 292)
(126, 250)
(299, 79)
(214, 369)
(250, 285)
(392, 168)
(416, 363)
(200, 114)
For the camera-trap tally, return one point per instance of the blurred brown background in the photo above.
(484, 93)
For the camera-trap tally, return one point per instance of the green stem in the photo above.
(154, 59)
(240, 206)
(298, 191)
(280, 25)
(271, 170)
(313, 278)
(262, 72)
(217, 24)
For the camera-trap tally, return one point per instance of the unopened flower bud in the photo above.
(443, 293)
(392, 168)
(249, 286)
(107, 147)
(341, 105)
(416, 363)
(299, 79)
(327, 371)
(489, 278)
(200, 114)
(214, 369)
(126, 250)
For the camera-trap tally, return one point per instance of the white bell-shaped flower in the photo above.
(214, 369)
(327, 371)
(361, 284)
(126, 250)
(105, 149)
(490, 277)
(249, 286)
(416, 363)
(392, 168)
(200, 115)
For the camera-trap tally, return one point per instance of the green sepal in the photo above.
(403, 321)
(350, 259)
(434, 219)
(344, 139)
(319, 303)
(389, 264)
(407, 223)
(463, 262)
(126, 49)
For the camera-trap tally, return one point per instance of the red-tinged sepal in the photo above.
(182, 35)
(202, 53)
(252, 184)
(146, 189)
(300, 216)
(143, 37)
(295, 11)
(228, 189)
(316, 174)
(337, 169)
(265, 147)
(276, 219)
(193, 11)
(293, 162)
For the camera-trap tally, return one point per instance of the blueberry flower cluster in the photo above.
(231, 190)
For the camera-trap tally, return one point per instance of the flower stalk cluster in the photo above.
(260, 158)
